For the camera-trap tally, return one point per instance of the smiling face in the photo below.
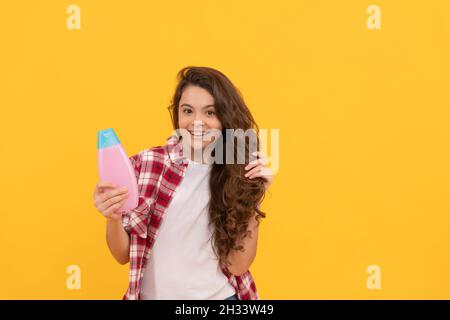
(197, 114)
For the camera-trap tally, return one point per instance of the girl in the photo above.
(194, 232)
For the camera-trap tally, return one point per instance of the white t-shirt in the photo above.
(182, 264)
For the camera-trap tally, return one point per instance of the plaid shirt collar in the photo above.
(175, 149)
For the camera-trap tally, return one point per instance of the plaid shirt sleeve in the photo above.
(244, 285)
(136, 218)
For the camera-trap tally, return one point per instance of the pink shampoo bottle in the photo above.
(115, 167)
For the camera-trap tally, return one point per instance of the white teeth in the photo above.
(198, 134)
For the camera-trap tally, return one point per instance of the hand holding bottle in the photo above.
(108, 199)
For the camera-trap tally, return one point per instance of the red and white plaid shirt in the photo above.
(159, 170)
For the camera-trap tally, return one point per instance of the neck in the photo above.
(197, 156)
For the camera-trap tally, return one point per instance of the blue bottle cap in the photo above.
(107, 138)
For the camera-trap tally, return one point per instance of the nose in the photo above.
(198, 124)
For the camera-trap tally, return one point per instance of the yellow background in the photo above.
(364, 131)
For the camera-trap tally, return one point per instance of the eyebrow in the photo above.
(188, 105)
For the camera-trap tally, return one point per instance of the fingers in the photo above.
(255, 163)
(102, 197)
(254, 171)
(262, 157)
(111, 212)
(259, 171)
(102, 185)
(256, 168)
(113, 200)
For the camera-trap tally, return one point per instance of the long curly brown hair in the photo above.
(235, 199)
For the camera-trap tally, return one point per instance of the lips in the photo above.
(198, 133)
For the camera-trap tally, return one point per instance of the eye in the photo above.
(187, 111)
(210, 113)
